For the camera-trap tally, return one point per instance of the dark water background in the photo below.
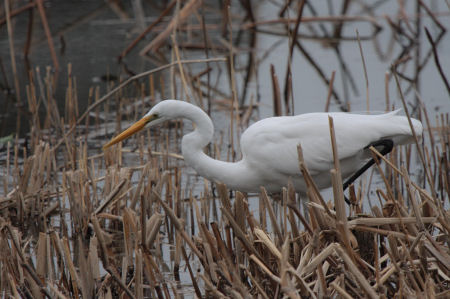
(90, 36)
(86, 34)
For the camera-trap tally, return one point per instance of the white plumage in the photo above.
(269, 146)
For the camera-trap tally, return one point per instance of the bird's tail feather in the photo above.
(406, 135)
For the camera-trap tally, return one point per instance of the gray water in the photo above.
(93, 44)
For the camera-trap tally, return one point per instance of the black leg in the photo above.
(387, 145)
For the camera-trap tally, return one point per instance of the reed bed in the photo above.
(133, 222)
(97, 227)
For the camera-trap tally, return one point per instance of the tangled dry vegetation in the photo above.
(77, 222)
(92, 226)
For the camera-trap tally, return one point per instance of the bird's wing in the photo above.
(270, 145)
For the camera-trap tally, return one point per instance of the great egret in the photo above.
(269, 146)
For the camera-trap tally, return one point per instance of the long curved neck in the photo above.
(192, 149)
(194, 142)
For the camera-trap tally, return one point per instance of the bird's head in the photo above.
(158, 114)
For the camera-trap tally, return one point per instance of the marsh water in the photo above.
(90, 35)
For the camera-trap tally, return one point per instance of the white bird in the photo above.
(269, 146)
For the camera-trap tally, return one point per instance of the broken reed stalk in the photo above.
(330, 91)
(277, 111)
(178, 225)
(12, 52)
(365, 71)
(386, 92)
(273, 218)
(235, 121)
(180, 68)
(419, 150)
(309, 180)
(41, 10)
(337, 179)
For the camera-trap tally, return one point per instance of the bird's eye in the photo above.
(151, 117)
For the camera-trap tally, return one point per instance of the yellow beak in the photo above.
(136, 127)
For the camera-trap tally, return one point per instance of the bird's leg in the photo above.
(387, 146)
